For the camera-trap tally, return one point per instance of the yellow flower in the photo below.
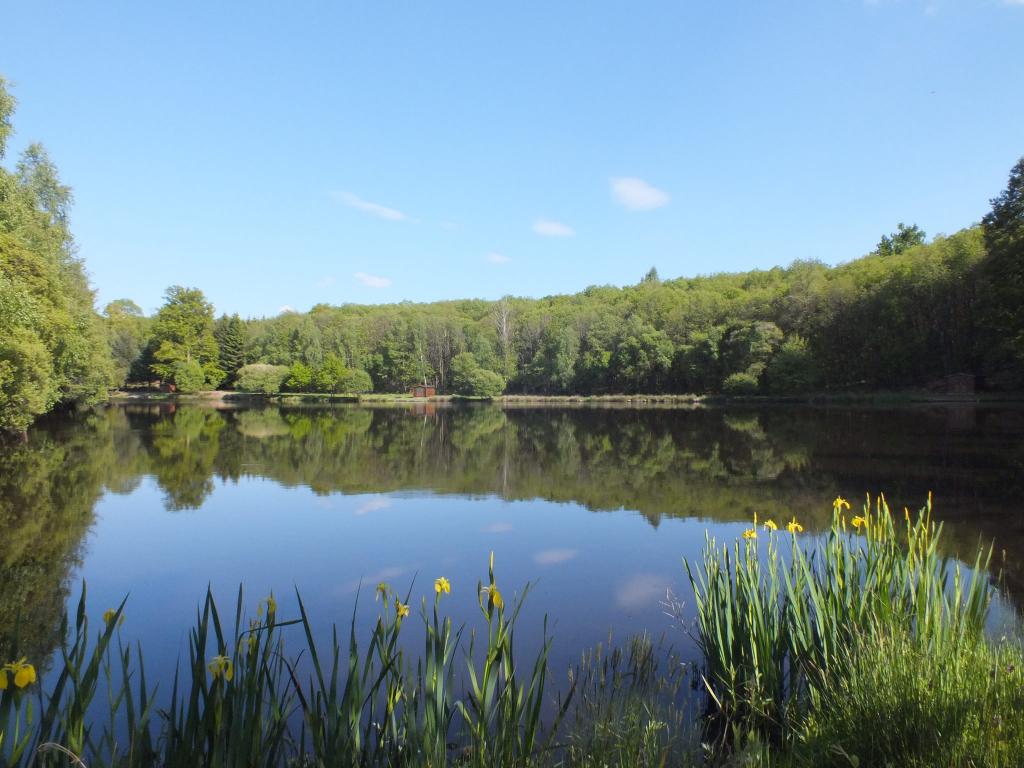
(20, 671)
(442, 586)
(769, 525)
(221, 665)
(840, 503)
(401, 609)
(382, 592)
(794, 527)
(493, 596)
(750, 533)
(858, 521)
(109, 614)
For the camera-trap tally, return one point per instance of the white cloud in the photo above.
(498, 527)
(549, 228)
(372, 281)
(373, 505)
(554, 556)
(285, 308)
(497, 258)
(637, 195)
(374, 209)
(641, 590)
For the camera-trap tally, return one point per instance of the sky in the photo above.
(281, 155)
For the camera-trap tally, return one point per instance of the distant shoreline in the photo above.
(895, 398)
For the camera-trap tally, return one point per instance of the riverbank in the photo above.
(888, 398)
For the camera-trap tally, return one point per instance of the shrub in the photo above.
(468, 378)
(188, 376)
(260, 377)
(356, 381)
(484, 383)
(740, 384)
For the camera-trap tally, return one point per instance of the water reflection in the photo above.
(713, 465)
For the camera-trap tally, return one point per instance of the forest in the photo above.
(912, 311)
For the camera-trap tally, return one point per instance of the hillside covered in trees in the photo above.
(910, 312)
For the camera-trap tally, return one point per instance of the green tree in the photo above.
(126, 335)
(183, 333)
(903, 238)
(229, 332)
(1003, 317)
(54, 343)
(331, 375)
(300, 377)
(792, 369)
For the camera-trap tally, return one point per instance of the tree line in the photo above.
(911, 311)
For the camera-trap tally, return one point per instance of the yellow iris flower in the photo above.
(858, 521)
(840, 503)
(20, 672)
(221, 666)
(794, 527)
(750, 533)
(493, 595)
(401, 609)
(769, 525)
(442, 586)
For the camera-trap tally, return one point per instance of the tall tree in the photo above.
(52, 346)
(230, 335)
(183, 335)
(1004, 272)
(903, 238)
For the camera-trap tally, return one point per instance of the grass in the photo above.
(864, 646)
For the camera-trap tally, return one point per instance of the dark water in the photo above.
(598, 506)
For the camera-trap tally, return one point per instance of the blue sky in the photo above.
(286, 154)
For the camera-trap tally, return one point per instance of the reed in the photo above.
(239, 699)
(778, 611)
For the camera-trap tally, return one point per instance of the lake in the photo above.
(595, 506)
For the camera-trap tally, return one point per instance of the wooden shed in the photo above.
(423, 390)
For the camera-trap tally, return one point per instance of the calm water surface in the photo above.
(596, 506)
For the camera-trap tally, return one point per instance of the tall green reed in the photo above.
(238, 699)
(777, 612)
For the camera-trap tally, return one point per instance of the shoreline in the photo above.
(894, 398)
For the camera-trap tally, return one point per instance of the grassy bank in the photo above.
(861, 647)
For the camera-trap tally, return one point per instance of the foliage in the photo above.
(792, 369)
(300, 377)
(775, 633)
(468, 378)
(229, 333)
(259, 377)
(903, 238)
(188, 376)
(745, 383)
(1003, 283)
(52, 343)
(127, 334)
(183, 333)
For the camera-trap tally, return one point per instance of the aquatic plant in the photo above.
(777, 615)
